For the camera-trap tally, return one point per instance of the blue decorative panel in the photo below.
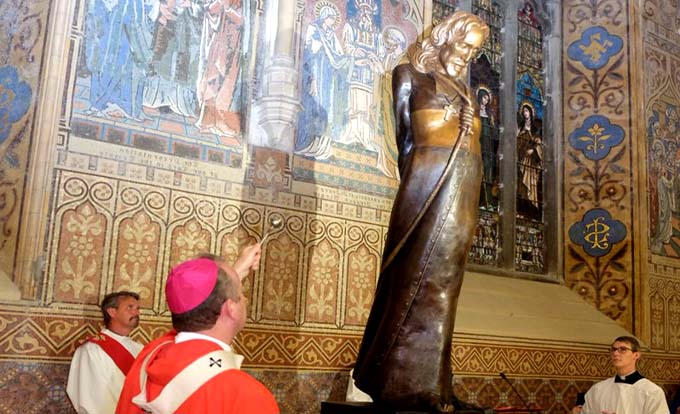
(15, 98)
(597, 232)
(596, 137)
(595, 47)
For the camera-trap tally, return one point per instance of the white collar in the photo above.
(623, 377)
(119, 338)
(187, 336)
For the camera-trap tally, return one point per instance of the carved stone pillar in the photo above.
(277, 107)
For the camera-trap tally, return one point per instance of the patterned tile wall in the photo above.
(40, 388)
(148, 229)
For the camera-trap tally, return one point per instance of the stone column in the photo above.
(276, 109)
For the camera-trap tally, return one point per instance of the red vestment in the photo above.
(231, 391)
(98, 371)
(120, 355)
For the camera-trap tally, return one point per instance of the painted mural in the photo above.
(664, 173)
(349, 49)
(173, 78)
(662, 117)
(166, 77)
(662, 153)
(22, 36)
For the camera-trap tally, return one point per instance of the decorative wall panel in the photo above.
(598, 204)
(661, 151)
(23, 26)
(39, 388)
(113, 234)
(664, 299)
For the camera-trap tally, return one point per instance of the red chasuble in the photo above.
(199, 368)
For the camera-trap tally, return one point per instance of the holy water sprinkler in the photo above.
(275, 224)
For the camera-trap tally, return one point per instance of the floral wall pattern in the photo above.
(22, 35)
(155, 228)
(598, 206)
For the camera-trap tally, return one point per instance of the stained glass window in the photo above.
(508, 77)
(441, 9)
(492, 13)
(485, 73)
(529, 246)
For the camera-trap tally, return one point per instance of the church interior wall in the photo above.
(104, 189)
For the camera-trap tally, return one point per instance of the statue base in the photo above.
(337, 407)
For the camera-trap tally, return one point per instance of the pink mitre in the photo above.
(189, 284)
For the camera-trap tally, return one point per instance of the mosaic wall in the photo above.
(598, 151)
(295, 392)
(537, 373)
(151, 173)
(154, 89)
(348, 50)
(661, 150)
(147, 230)
(661, 33)
(23, 26)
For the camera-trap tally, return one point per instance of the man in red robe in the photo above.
(193, 369)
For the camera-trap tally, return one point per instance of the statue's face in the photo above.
(455, 56)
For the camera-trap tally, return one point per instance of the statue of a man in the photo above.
(404, 361)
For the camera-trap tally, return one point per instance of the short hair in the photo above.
(211, 256)
(112, 300)
(632, 341)
(205, 315)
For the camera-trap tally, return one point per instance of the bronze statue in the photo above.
(404, 361)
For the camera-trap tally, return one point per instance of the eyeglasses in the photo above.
(620, 349)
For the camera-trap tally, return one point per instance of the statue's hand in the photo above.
(467, 115)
